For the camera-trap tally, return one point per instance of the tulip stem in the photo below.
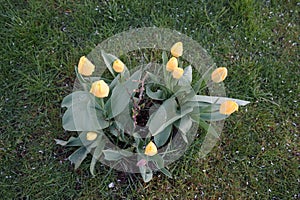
(101, 103)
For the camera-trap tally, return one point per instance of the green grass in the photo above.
(258, 154)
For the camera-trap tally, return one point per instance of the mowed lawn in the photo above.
(257, 156)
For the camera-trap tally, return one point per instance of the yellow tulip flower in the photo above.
(172, 64)
(177, 49)
(228, 107)
(91, 136)
(100, 89)
(151, 149)
(85, 67)
(177, 73)
(118, 66)
(219, 74)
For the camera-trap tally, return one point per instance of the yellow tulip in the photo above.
(228, 107)
(118, 66)
(177, 73)
(91, 136)
(177, 49)
(85, 67)
(100, 89)
(219, 74)
(151, 149)
(172, 64)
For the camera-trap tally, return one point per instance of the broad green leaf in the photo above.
(209, 128)
(166, 172)
(205, 111)
(157, 95)
(185, 124)
(114, 82)
(214, 116)
(73, 141)
(97, 153)
(161, 138)
(82, 81)
(77, 141)
(124, 121)
(211, 138)
(217, 100)
(78, 156)
(166, 115)
(122, 93)
(114, 155)
(153, 77)
(82, 114)
(109, 59)
(126, 153)
(198, 85)
(207, 107)
(158, 161)
(187, 76)
(165, 60)
(166, 111)
(146, 173)
(184, 93)
(68, 100)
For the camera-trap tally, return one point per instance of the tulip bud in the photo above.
(118, 66)
(91, 136)
(172, 64)
(85, 67)
(177, 73)
(151, 149)
(219, 74)
(100, 89)
(228, 107)
(177, 49)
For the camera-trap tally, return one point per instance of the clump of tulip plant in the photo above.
(131, 119)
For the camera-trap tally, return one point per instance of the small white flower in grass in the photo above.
(111, 185)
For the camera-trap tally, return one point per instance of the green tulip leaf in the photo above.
(184, 125)
(81, 113)
(73, 141)
(114, 155)
(214, 116)
(124, 121)
(166, 172)
(153, 77)
(187, 76)
(211, 138)
(161, 138)
(217, 100)
(166, 115)
(158, 161)
(108, 60)
(78, 156)
(100, 144)
(156, 91)
(165, 73)
(122, 93)
(146, 173)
